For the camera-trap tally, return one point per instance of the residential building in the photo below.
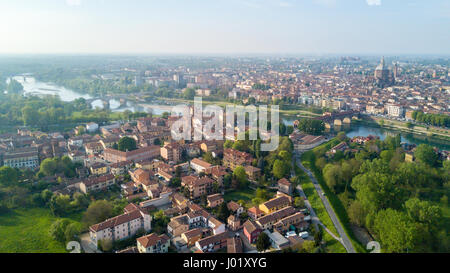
(234, 223)
(199, 165)
(285, 186)
(212, 243)
(233, 158)
(22, 158)
(97, 183)
(192, 236)
(141, 154)
(172, 152)
(274, 204)
(251, 230)
(197, 186)
(234, 245)
(253, 173)
(267, 221)
(153, 243)
(121, 227)
(214, 200)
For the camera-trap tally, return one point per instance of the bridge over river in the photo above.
(338, 119)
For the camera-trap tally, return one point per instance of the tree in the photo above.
(312, 126)
(58, 229)
(423, 211)
(240, 176)
(72, 231)
(356, 213)
(228, 144)
(395, 230)
(30, 116)
(127, 144)
(280, 169)
(426, 154)
(60, 205)
(342, 136)
(8, 176)
(97, 212)
(263, 242)
(308, 247)
(223, 212)
(189, 93)
(299, 202)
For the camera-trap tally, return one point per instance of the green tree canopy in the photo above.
(127, 144)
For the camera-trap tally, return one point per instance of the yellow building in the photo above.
(99, 169)
(274, 204)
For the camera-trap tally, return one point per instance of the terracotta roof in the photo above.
(277, 202)
(251, 226)
(97, 180)
(201, 163)
(277, 215)
(152, 239)
(284, 181)
(233, 206)
(118, 220)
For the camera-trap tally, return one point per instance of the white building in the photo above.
(92, 127)
(199, 166)
(121, 227)
(394, 110)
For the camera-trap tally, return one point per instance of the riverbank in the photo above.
(417, 130)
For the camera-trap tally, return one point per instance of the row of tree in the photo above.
(440, 120)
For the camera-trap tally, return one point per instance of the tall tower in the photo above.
(396, 71)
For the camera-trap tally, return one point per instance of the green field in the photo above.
(27, 231)
(246, 195)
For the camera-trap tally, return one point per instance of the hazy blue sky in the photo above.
(225, 26)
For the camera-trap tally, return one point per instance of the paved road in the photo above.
(87, 244)
(344, 238)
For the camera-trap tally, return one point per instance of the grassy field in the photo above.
(308, 162)
(245, 195)
(27, 231)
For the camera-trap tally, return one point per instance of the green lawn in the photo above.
(246, 195)
(27, 231)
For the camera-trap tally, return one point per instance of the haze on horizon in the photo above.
(225, 27)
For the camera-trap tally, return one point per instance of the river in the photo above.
(33, 87)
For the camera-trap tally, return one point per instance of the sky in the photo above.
(225, 26)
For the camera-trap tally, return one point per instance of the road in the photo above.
(87, 244)
(345, 241)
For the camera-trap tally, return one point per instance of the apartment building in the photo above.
(267, 221)
(153, 243)
(22, 158)
(121, 227)
(197, 186)
(97, 183)
(275, 204)
(172, 152)
(199, 165)
(146, 153)
(233, 158)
